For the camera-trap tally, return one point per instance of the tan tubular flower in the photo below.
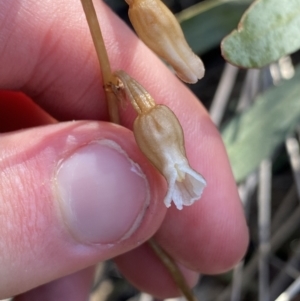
(160, 31)
(159, 135)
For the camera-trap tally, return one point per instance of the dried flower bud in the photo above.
(159, 135)
(160, 31)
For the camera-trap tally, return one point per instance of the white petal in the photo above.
(184, 192)
(171, 177)
(194, 182)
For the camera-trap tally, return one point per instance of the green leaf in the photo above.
(254, 135)
(207, 23)
(268, 30)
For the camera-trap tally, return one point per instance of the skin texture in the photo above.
(46, 52)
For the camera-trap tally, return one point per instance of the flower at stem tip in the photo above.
(159, 135)
(158, 28)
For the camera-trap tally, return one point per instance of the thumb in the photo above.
(71, 194)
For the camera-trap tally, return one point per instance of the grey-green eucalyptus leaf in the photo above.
(207, 23)
(268, 30)
(256, 134)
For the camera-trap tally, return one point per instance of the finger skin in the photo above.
(18, 111)
(75, 287)
(144, 269)
(57, 61)
(36, 246)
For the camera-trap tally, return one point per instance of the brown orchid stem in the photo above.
(105, 68)
(173, 269)
(108, 78)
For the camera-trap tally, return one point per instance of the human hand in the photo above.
(76, 193)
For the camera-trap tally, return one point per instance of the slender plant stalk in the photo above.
(107, 76)
(105, 68)
(264, 226)
(173, 269)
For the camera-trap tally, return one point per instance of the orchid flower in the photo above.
(159, 135)
(158, 28)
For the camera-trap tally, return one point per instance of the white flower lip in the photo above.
(183, 191)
